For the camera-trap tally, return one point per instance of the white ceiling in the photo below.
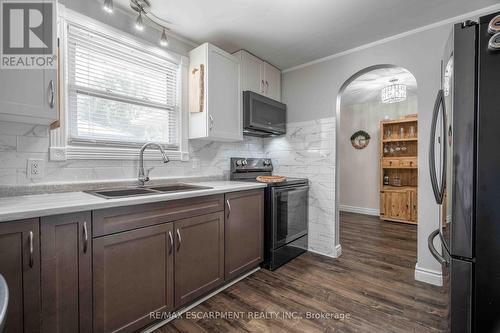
(367, 87)
(291, 32)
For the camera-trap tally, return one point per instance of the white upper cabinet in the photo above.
(272, 80)
(215, 108)
(252, 73)
(28, 95)
(259, 76)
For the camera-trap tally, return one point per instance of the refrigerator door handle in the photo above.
(434, 252)
(438, 189)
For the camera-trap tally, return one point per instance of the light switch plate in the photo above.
(34, 169)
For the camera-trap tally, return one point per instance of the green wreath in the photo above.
(360, 139)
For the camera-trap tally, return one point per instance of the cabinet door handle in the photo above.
(85, 237)
(179, 238)
(262, 89)
(228, 208)
(267, 87)
(211, 122)
(31, 262)
(171, 242)
(52, 98)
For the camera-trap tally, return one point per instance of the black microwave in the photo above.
(263, 116)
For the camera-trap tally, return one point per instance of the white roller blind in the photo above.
(119, 94)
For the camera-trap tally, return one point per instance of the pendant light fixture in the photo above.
(108, 6)
(393, 93)
(164, 39)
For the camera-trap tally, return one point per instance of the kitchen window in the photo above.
(119, 95)
(118, 92)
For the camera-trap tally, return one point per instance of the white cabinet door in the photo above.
(223, 96)
(252, 73)
(28, 95)
(272, 82)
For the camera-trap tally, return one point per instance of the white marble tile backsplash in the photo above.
(20, 142)
(308, 151)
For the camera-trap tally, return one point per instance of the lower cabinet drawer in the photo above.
(113, 220)
(390, 163)
(410, 163)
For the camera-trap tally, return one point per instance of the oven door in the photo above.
(290, 213)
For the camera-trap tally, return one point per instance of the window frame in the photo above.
(60, 149)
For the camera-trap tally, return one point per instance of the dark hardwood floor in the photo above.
(372, 285)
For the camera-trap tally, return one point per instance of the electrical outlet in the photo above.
(196, 163)
(34, 169)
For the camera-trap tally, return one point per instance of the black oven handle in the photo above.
(290, 188)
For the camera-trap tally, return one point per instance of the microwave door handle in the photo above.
(432, 149)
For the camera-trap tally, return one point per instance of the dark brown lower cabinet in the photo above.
(244, 232)
(66, 257)
(133, 277)
(199, 256)
(20, 266)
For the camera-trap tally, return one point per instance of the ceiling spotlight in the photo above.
(108, 6)
(139, 25)
(164, 39)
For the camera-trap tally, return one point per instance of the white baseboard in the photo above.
(189, 307)
(359, 210)
(428, 276)
(336, 254)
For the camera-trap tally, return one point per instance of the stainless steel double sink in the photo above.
(139, 191)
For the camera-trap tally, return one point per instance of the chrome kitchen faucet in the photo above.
(144, 175)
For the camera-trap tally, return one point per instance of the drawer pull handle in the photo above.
(31, 262)
(52, 98)
(171, 242)
(179, 239)
(228, 208)
(211, 118)
(85, 237)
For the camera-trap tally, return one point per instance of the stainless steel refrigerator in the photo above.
(464, 160)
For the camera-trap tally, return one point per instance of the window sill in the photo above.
(108, 153)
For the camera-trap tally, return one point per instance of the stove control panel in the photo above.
(251, 165)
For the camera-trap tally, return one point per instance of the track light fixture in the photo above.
(108, 6)
(143, 7)
(164, 39)
(139, 24)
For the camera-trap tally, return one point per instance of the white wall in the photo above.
(360, 183)
(310, 93)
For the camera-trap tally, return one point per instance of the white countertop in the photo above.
(29, 206)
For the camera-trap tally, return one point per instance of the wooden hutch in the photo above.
(399, 170)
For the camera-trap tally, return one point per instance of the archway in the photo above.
(360, 107)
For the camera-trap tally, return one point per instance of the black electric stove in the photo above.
(286, 211)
